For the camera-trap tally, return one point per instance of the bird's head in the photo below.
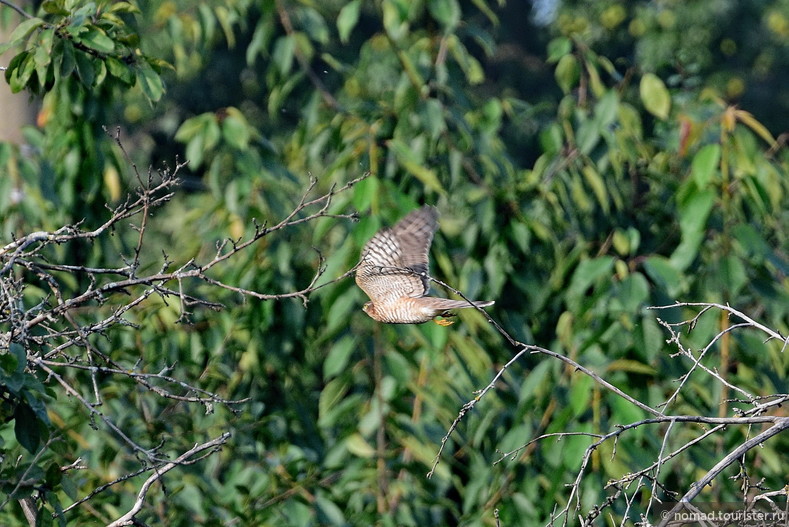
(369, 308)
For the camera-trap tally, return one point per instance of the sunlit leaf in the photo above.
(348, 18)
(24, 29)
(567, 72)
(655, 96)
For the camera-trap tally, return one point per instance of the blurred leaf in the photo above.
(328, 512)
(567, 72)
(587, 273)
(581, 394)
(410, 161)
(705, 164)
(236, 129)
(662, 271)
(631, 366)
(358, 446)
(283, 53)
(394, 19)
(594, 180)
(558, 48)
(347, 19)
(446, 12)
(338, 356)
(633, 292)
(331, 394)
(655, 96)
(750, 121)
(693, 213)
(733, 276)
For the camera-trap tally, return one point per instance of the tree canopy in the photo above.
(184, 344)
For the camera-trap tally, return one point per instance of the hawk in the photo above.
(393, 273)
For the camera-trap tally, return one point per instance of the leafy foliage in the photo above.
(576, 200)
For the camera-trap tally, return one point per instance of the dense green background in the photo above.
(589, 159)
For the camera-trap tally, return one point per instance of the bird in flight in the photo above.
(393, 272)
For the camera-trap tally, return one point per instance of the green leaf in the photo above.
(567, 73)
(225, 18)
(470, 66)
(358, 446)
(395, 19)
(97, 39)
(581, 394)
(338, 356)
(433, 118)
(44, 47)
(558, 48)
(648, 339)
(68, 61)
(328, 513)
(283, 54)
(26, 427)
(347, 19)
(85, 69)
(446, 12)
(588, 136)
(695, 209)
(119, 70)
(607, 109)
(587, 273)
(410, 161)
(124, 7)
(331, 395)
(655, 96)
(149, 81)
(365, 193)
(52, 7)
(732, 275)
(661, 271)
(632, 366)
(21, 71)
(750, 121)
(18, 351)
(53, 475)
(705, 164)
(8, 364)
(259, 43)
(595, 180)
(25, 28)
(752, 241)
(236, 129)
(633, 292)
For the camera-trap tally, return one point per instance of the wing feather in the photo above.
(394, 260)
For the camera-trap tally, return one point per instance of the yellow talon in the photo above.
(443, 322)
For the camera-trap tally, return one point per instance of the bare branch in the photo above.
(696, 488)
(61, 341)
(160, 471)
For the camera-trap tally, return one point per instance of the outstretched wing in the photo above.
(395, 261)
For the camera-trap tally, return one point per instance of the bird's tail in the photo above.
(447, 304)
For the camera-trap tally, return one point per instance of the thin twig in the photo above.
(160, 471)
